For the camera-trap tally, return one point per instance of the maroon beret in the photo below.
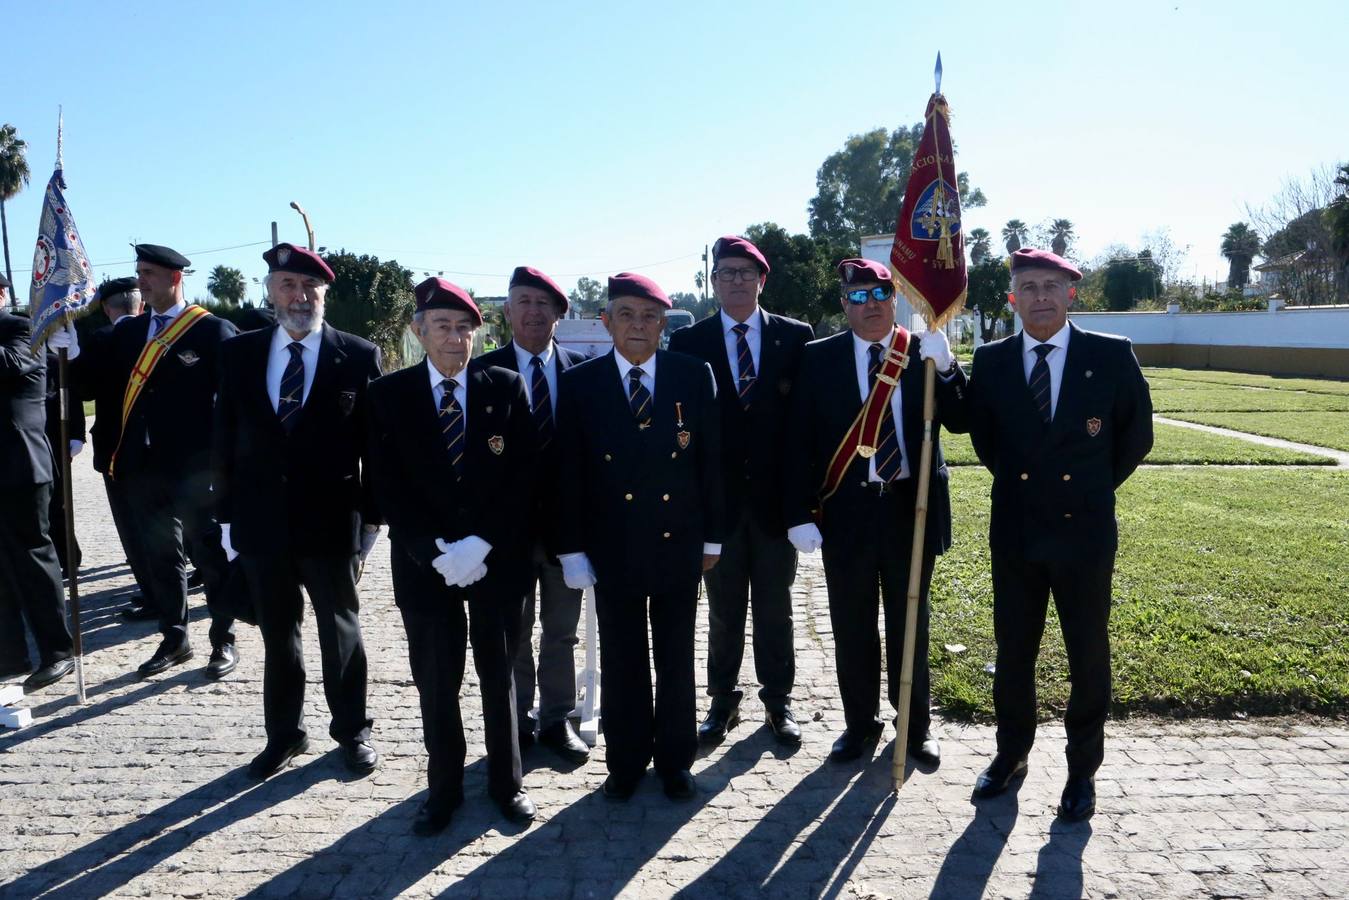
(1030, 258)
(734, 246)
(628, 284)
(300, 260)
(437, 293)
(855, 270)
(528, 276)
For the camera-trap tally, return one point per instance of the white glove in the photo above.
(476, 575)
(461, 559)
(933, 345)
(65, 338)
(75, 448)
(577, 571)
(230, 553)
(805, 538)
(368, 539)
(444, 563)
(470, 552)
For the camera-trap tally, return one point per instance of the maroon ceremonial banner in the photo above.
(928, 256)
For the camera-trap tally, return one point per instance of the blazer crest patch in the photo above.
(1093, 427)
(496, 443)
(682, 439)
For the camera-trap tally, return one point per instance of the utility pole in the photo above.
(707, 274)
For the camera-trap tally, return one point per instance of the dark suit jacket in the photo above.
(76, 429)
(25, 455)
(307, 492)
(416, 489)
(752, 442)
(825, 403)
(176, 406)
(548, 472)
(1054, 489)
(639, 504)
(98, 382)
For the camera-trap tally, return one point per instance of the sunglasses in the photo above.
(880, 293)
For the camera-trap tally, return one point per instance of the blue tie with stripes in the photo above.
(639, 398)
(889, 462)
(1039, 383)
(747, 377)
(292, 388)
(452, 426)
(543, 402)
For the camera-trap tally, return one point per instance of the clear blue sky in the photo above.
(587, 139)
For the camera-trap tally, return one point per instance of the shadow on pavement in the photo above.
(969, 863)
(1058, 869)
(112, 861)
(43, 723)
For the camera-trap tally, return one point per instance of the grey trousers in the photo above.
(559, 610)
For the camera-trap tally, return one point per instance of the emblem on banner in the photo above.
(1093, 427)
(496, 443)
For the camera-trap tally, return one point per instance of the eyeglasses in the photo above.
(880, 293)
(738, 274)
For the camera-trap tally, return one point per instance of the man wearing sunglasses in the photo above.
(863, 496)
(755, 356)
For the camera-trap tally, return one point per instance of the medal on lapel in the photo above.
(189, 357)
(496, 443)
(682, 437)
(1093, 427)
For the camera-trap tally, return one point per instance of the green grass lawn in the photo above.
(1169, 395)
(1322, 429)
(1231, 594)
(1175, 445)
(1244, 379)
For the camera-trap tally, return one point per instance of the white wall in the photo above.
(876, 247)
(1324, 327)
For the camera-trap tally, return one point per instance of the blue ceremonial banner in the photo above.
(63, 282)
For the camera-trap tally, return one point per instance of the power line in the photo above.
(122, 262)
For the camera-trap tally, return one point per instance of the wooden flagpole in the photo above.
(68, 492)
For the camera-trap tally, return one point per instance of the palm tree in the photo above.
(979, 245)
(226, 284)
(1061, 233)
(13, 178)
(1240, 244)
(1014, 235)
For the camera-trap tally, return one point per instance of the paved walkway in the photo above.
(141, 793)
(1341, 458)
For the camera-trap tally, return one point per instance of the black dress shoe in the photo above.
(925, 749)
(275, 757)
(852, 742)
(360, 757)
(999, 775)
(785, 729)
(9, 670)
(563, 740)
(223, 660)
(53, 671)
(1079, 799)
(139, 610)
(720, 718)
(679, 785)
(620, 787)
(165, 657)
(433, 819)
(518, 807)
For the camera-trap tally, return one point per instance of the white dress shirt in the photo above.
(279, 356)
(1054, 359)
(460, 389)
(753, 337)
(862, 361)
(524, 360)
(172, 312)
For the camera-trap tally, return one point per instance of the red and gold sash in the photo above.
(863, 436)
(150, 356)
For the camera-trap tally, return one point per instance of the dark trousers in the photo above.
(274, 582)
(756, 569)
(1081, 592)
(559, 611)
(30, 579)
(123, 519)
(635, 731)
(436, 654)
(172, 515)
(56, 518)
(866, 566)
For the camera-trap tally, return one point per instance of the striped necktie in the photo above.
(159, 320)
(747, 377)
(291, 397)
(452, 425)
(542, 402)
(639, 398)
(889, 462)
(1039, 383)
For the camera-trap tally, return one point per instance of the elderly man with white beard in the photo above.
(294, 501)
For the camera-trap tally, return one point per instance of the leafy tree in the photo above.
(1239, 246)
(14, 177)
(1014, 235)
(1129, 279)
(227, 285)
(1061, 235)
(700, 282)
(989, 281)
(589, 296)
(372, 299)
(980, 245)
(803, 284)
(701, 307)
(860, 188)
(1337, 223)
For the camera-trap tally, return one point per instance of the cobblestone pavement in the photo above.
(141, 792)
